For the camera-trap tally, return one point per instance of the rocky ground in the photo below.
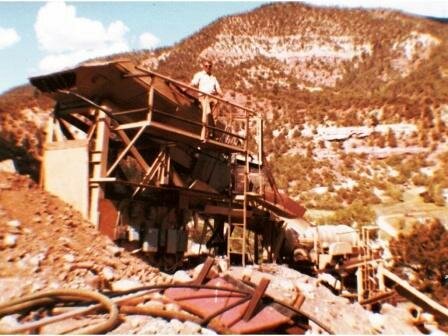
(45, 244)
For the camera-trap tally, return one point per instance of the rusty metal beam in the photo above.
(298, 302)
(151, 171)
(136, 124)
(256, 298)
(141, 161)
(126, 150)
(204, 272)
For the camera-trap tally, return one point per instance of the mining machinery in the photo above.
(127, 147)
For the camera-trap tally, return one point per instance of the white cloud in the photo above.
(69, 39)
(57, 61)
(8, 36)
(148, 41)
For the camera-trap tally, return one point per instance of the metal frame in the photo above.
(102, 122)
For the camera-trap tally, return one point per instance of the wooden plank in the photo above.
(73, 120)
(378, 297)
(175, 130)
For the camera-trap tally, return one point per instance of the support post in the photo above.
(150, 103)
(360, 283)
(259, 141)
(246, 184)
(99, 165)
(380, 276)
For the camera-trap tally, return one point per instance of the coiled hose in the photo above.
(53, 296)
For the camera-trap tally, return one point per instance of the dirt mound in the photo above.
(45, 243)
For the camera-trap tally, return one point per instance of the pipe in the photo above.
(160, 313)
(77, 293)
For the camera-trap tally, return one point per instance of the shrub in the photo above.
(425, 250)
(356, 212)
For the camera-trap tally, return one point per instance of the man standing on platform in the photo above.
(208, 84)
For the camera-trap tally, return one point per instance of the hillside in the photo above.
(356, 101)
(23, 114)
(356, 110)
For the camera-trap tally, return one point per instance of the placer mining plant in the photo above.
(127, 148)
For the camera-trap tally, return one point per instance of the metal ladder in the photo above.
(369, 282)
(237, 233)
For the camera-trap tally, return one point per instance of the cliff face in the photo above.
(297, 49)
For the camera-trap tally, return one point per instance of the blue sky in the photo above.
(42, 37)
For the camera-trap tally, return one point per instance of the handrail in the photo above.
(150, 72)
(198, 124)
(112, 115)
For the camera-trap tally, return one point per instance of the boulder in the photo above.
(125, 284)
(8, 166)
(181, 277)
(10, 240)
